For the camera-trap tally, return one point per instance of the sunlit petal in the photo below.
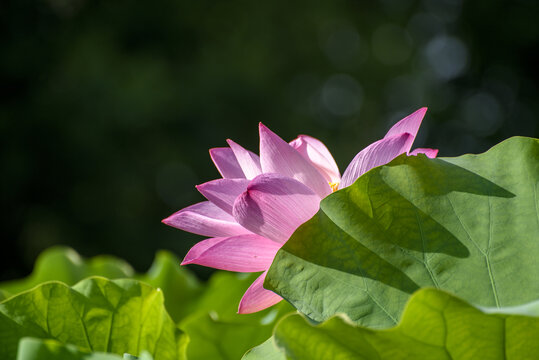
(249, 162)
(257, 298)
(274, 206)
(410, 125)
(431, 153)
(277, 156)
(205, 219)
(223, 192)
(226, 163)
(318, 154)
(378, 153)
(242, 253)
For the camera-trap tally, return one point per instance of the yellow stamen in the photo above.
(334, 186)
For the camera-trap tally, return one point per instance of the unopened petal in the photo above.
(205, 219)
(274, 206)
(223, 192)
(242, 253)
(277, 156)
(226, 163)
(410, 125)
(376, 154)
(249, 162)
(431, 153)
(318, 155)
(257, 298)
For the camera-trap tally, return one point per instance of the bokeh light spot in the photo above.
(447, 56)
(342, 95)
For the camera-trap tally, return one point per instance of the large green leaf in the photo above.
(469, 225)
(112, 316)
(435, 325)
(61, 263)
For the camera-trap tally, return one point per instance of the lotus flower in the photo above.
(260, 201)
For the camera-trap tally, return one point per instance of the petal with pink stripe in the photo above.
(223, 192)
(318, 155)
(249, 162)
(277, 156)
(242, 253)
(274, 206)
(205, 219)
(257, 298)
(431, 153)
(410, 125)
(226, 163)
(376, 154)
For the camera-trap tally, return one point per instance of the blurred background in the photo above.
(108, 108)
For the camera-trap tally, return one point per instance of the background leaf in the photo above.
(435, 325)
(217, 331)
(208, 313)
(48, 349)
(113, 316)
(468, 225)
(265, 351)
(211, 338)
(180, 287)
(3, 295)
(61, 263)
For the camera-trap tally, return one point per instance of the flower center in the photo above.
(334, 186)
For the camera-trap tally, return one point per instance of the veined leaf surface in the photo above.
(435, 326)
(110, 316)
(469, 225)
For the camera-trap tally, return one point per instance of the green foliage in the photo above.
(64, 264)
(48, 349)
(434, 325)
(265, 351)
(3, 295)
(468, 225)
(116, 316)
(207, 314)
(215, 329)
(40, 349)
(181, 288)
(212, 338)
(223, 294)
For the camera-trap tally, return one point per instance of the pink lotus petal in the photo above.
(410, 125)
(277, 156)
(243, 253)
(249, 162)
(431, 153)
(318, 154)
(274, 206)
(376, 154)
(226, 163)
(257, 298)
(205, 219)
(223, 192)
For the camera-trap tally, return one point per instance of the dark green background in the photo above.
(108, 108)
